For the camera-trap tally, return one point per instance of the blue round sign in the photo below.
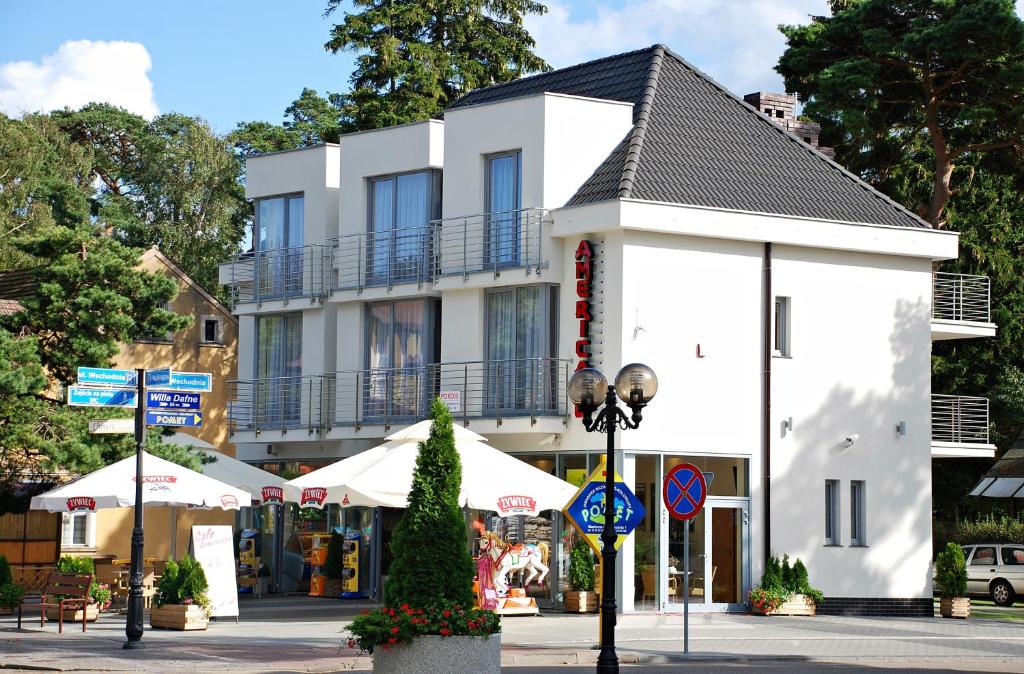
(684, 491)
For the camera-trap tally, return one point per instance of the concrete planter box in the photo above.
(581, 602)
(798, 604)
(178, 617)
(92, 613)
(955, 607)
(434, 654)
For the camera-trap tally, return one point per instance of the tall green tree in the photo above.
(414, 57)
(888, 78)
(311, 119)
(431, 561)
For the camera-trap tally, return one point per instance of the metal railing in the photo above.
(278, 274)
(491, 389)
(279, 403)
(490, 242)
(383, 258)
(960, 419)
(961, 297)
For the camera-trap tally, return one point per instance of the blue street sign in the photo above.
(588, 507)
(105, 376)
(684, 491)
(172, 400)
(200, 382)
(157, 378)
(87, 396)
(159, 418)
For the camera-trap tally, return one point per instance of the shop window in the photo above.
(832, 512)
(857, 513)
(781, 345)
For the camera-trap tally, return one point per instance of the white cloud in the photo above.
(735, 41)
(81, 71)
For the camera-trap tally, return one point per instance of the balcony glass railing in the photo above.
(960, 419)
(279, 274)
(494, 389)
(961, 298)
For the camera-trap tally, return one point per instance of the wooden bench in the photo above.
(73, 593)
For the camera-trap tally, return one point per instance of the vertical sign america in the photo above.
(584, 314)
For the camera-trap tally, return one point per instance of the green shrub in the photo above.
(78, 565)
(788, 581)
(951, 572)
(772, 578)
(781, 581)
(334, 565)
(183, 582)
(10, 595)
(431, 561)
(581, 567)
(5, 571)
(990, 529)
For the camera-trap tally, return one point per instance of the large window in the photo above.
(504, 201)
(400, 341)
(520, 345)
(832, 512)
(279, 241)
(858, 518)
(401, 208)
(279, 387)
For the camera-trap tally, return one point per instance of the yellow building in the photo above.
(208, 345)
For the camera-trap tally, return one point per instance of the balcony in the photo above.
(960, 427)
(525, 395)
(961, 307)
(278, 405)
(279, 275)
(491, 243)
(383, 259)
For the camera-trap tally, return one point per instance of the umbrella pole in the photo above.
(133, 627)
(174, 532)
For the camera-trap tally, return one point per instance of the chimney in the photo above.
(780, 109)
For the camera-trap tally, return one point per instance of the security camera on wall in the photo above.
(849, 440)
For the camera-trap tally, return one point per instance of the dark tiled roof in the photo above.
(17, 284)
(695, 143)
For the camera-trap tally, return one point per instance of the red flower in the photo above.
(446, 613)
(445, 631)
(394, 630)
(392, 640)
(404, 606)
(391, 611)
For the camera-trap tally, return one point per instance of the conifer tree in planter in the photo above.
(581, 597)
(951, 582)
(10, 593)
(428, 623)
(181, 599)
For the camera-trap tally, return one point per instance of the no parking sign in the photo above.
(683, 492)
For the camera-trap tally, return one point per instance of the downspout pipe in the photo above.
(766, 412)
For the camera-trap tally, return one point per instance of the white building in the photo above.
(787, 308)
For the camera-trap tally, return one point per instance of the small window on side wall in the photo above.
(832, 512)
(211, 330)
(781, 345)
(858, 518)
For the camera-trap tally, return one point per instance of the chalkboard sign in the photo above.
(213, 548)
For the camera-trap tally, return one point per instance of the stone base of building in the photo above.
(878, 606)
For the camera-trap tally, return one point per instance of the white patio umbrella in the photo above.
(163, 484)
(491, 479)
(263, 487)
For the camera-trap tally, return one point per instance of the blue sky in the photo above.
(236, 61)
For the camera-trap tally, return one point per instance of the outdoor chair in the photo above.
(62, 591)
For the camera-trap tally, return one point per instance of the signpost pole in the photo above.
(686, 587)
(133, 627)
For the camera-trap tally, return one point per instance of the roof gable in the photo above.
(695, 143)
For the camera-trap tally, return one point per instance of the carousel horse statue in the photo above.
(506, 558)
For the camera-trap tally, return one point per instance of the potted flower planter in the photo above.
(179, 617)
(581, 602)
(796, 605)
(92, 612)
(955, 607)
(430, 654)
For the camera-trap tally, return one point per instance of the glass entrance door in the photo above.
(719, 557)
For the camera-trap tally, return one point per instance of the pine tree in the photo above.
(431, 560)
(414, 57)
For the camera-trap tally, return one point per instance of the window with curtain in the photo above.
(520, 346)
(504, 200)
(279, 240)
(400, 342)
(401, 208)
(278, 369)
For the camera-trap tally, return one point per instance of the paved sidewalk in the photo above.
(302, 635)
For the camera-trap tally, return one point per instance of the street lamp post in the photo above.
(635, 384)
(133, 625)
